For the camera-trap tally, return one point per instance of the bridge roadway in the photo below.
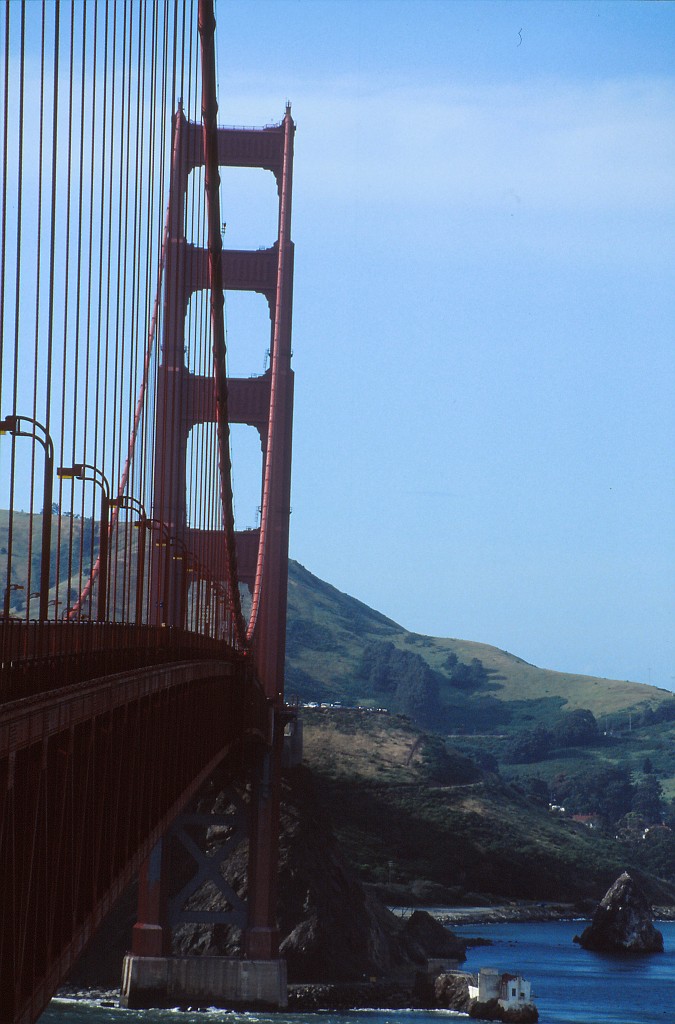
(91, 775)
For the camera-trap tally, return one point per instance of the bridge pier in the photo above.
(261, 937)
(148, 935)
(152, 975)
(164, 981)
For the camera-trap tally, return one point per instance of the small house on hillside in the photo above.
(589, 820)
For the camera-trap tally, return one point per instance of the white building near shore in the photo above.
(509, 990)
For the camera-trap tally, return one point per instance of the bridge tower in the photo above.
(256, 558)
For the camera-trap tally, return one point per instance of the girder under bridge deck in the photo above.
(79, 816)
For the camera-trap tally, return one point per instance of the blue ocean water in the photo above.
(571, 986)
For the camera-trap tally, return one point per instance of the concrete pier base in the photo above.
(161, 981)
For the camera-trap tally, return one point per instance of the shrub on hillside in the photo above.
(648, 800)
(444, 766)
(575, 729)
(606, 791)
(530, 745)
(304, 633)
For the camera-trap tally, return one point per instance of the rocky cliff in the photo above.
(331, 929)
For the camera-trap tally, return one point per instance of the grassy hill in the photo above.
(329, 633)
(466, 813)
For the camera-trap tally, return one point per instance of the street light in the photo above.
(203, 575)
(79, 471)
(219, 599)
(8, 596)
(181, 554)
(158, 588)
(14, 425)
(129, 502)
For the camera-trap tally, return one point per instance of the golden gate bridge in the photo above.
(142, 635)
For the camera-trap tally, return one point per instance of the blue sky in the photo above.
(484, 312)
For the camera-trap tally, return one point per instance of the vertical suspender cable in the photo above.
(66, 286)
(17, 291)
(78, 287)
(5, 595)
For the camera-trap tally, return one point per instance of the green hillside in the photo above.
(339, 649)
(425, 824)
(330, 634)
(469, 811)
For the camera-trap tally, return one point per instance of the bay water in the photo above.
(571, 985)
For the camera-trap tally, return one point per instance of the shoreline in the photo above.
(499, 913)
(519, 911)
(389, 993)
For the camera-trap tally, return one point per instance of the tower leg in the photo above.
(261, 939)
(150, 936)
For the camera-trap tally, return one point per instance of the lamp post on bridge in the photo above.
(9, 590)
(80, 471)
(203, 601)
(220, 595)
(163, 542)
(127, 501)
(14, 425)
(179, 553)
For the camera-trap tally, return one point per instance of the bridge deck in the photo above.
(78, 818)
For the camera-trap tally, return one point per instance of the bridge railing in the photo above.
(37, 658)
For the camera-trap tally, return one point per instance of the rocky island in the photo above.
(622, 922)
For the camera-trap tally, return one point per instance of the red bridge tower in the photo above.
(257, 558)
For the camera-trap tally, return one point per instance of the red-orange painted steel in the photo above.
(36, 658)
(90, 777)
(108, 727)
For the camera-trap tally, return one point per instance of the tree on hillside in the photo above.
(468, 677)
(657, 852)
(412, 686)
(530, 745)
(416, 695)
(444, 766)
(536, 790)
(630, 828)
(663, 712)
(375, 666)
(575, 729)
(648, 799)
(606, 791)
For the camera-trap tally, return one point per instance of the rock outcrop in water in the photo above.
(492, 1010)
(451, 991)
(423, 937)
(622, 922)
